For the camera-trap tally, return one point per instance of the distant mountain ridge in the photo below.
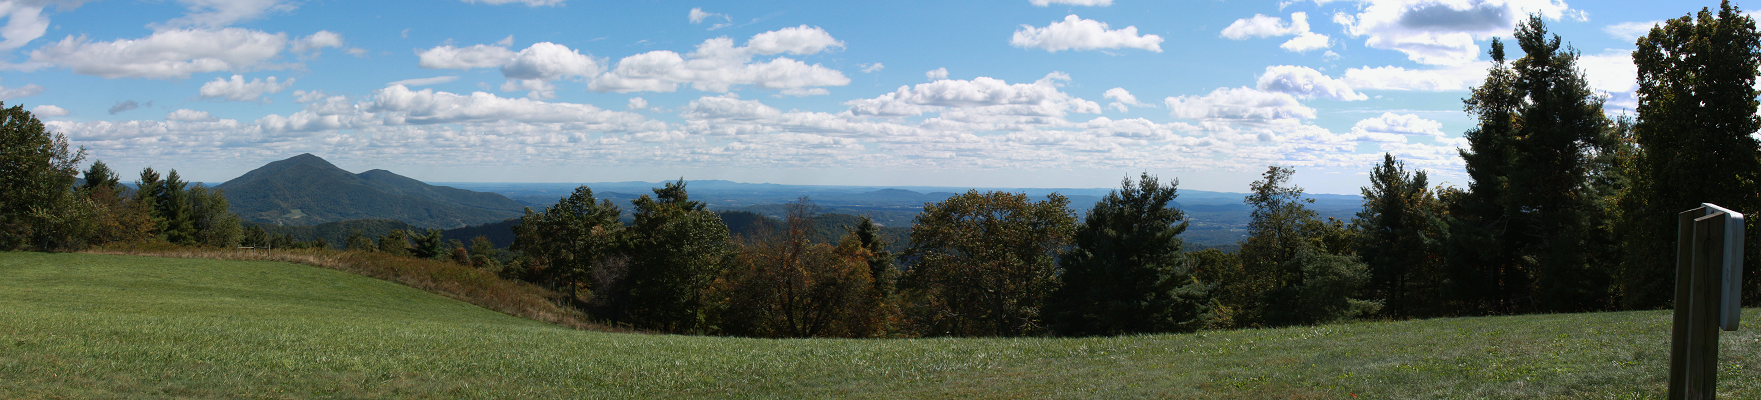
(307, 190)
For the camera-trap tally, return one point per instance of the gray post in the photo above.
(1706, 237)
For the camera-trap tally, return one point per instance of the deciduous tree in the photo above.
(983, 264)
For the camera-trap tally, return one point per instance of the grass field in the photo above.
(101, 326)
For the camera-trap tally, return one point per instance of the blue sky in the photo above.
(1027, 93)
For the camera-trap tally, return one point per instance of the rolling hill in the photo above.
(307, 190)
(99, 326)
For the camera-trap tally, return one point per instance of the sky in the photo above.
(1008, 93)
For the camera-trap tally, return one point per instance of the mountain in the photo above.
(306, 190)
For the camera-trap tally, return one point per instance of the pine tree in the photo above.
(1126, 273)
(1400, 236)
(676, 249)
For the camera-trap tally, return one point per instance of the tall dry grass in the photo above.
(459, 282)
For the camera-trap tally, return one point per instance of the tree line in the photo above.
(1565, 210)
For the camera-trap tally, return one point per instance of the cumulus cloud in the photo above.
(937, 74)
(1122, 99)
(1441, 32)
(188, 115)
(872, 68)
(25, 21)
(1239, 104)
(221, 13)
(1263, 26)
(49, 111)
(549, 61)
(316, 42)
(424, 81)
(1391, 127)
(636, 103)
(1101, 3)
(1306, 83)
(1075, 33)
(165, 54)
(476, 56)
(237, 89)
(718, 64)
(27, 90)
(978, 97)
(1460, 77)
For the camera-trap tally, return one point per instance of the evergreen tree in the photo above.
(100, 175)
(1697, 115)
(392, 243)
(1521, 240)
(172, 201)
(676, 249)
(1400, 236)
(430, 245)
(1126, 273)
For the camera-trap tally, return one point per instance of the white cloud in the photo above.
(1611, 71)
(506, 41)
(1263, 26)
(1630, 31)
(937, 74)
(476, 56)
(1121, 99)
(718, 65)
(221, 13)
(400, 105)
(1075, 33)
(425, 81)
(1306, 82)
(1441, 32)
(978, 97)
(1391, 127)
(188, 115)
(237, 89)
(804, 92)
(1239, 104)
(637, 103)
(536, 89)
(27, 90)
(1043, 3)
(49, 111)
(25, 21)
(165, 54)
(549, 61)
(1460, 77)
(528, 3)
(697, 16)
(872, 68)
(316, 42)
(1307, 41)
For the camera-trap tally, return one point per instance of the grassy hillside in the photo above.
(97, 326)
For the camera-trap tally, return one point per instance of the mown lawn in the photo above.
(99, 326)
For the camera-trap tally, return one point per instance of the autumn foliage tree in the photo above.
(785, 285)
